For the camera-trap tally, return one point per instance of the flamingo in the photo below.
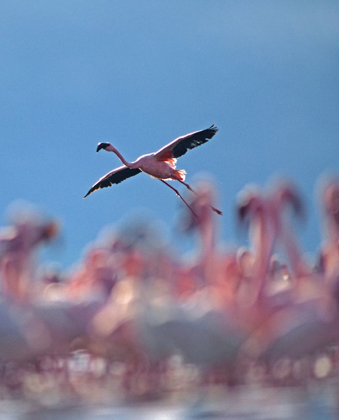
(160, 165)
(17, 246)
(300, 320)
(286, 194)
(329, 255)
(252, 204)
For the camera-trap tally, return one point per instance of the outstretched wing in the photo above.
(114, 177)
(179, 146)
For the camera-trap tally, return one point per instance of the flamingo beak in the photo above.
(102, 146)
(298, 207)
(289, 194)
(242, 211)
(296, 203)
(246, 203)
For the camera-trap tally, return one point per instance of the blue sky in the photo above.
(140, 73)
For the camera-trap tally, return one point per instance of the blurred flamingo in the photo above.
(252, 206)
(285, 194)
(307, 318)
(17, 246)
(203, 223)
(329, 257)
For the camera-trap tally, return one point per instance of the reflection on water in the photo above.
(318, 402)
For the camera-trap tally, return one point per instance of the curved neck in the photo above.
(332, 229)
(262, 244)
(111, 148)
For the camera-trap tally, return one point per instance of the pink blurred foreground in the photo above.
(133, 320)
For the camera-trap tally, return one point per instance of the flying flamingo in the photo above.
(160, 165)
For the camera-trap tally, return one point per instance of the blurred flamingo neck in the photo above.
(294, 254)
(332, 229)
(207, 236)
(263, 246)
(111, 148)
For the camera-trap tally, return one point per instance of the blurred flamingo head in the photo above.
(201, 204)
(49, 231)
(250, 203)
(286, 193)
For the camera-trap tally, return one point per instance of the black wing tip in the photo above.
(214, 128)
(89, 192)
(113, 178)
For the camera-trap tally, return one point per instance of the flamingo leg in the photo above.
(191, 189)
(179, 195)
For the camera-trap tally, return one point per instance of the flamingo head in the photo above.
(287, 193)
(249, 202)
(103, 146)
(49, 231)
(201, 204)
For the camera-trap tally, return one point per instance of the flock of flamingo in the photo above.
(134, 309)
